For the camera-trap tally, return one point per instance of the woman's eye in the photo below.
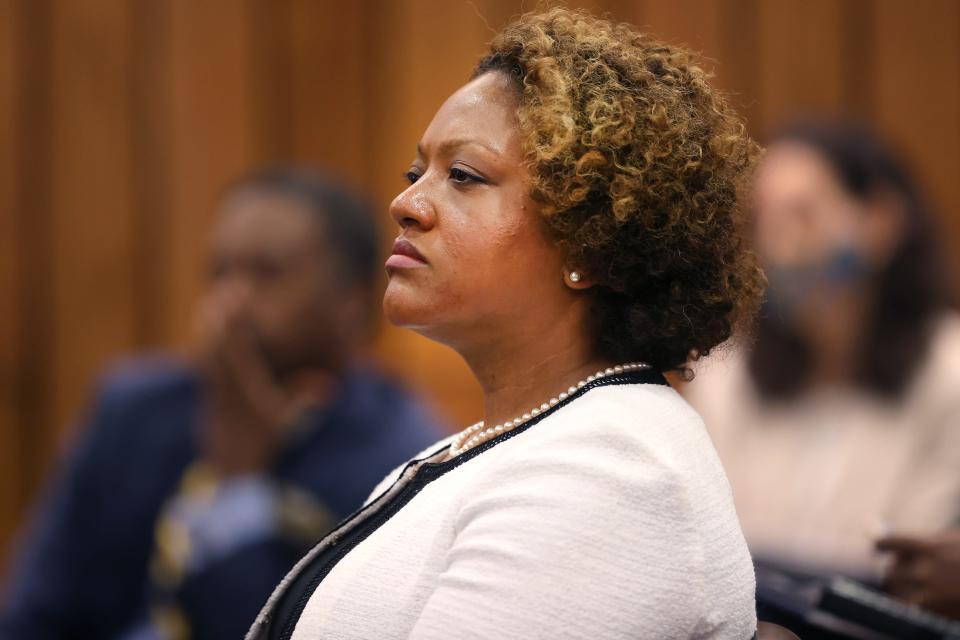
(462, 177)
(411, 176)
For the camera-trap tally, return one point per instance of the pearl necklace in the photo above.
(475, 434)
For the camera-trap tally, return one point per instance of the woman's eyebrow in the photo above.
(448, 145)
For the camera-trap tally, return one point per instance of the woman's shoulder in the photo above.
(631, 464)
(628, 420)
(635, 434)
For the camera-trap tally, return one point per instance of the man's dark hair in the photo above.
(347, 220)
(911, 290)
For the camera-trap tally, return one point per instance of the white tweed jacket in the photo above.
(607, 517)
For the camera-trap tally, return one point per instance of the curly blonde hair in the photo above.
(638, 165)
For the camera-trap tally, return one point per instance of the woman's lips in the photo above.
(397, 261)
(405, 256)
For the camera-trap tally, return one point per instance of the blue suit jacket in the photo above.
(83, 570)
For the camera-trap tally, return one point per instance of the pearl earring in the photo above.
(574, 276)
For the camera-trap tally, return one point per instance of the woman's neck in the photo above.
(518, 376)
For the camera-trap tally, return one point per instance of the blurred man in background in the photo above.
(194, 489)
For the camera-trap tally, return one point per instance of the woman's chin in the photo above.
(410, 308)
(402, 307)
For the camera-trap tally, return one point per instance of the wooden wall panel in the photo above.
(31, 197)
(917, 98)
(10, 446)
(269, 70)
(211, 136)
(800, 47)
(328, 53)
(152, 170)
(91, 196)
(738, 66)
(858, 57)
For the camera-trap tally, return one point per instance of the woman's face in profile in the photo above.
(481, 257)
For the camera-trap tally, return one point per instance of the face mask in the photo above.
(789, 287)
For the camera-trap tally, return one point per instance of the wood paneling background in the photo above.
(121, 119)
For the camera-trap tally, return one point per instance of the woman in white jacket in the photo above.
(571, 228)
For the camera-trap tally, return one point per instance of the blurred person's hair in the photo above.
(911, 290)
(345, 218)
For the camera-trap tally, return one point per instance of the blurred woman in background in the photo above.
(842, 422)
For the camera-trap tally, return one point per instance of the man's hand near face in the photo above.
(250, 413)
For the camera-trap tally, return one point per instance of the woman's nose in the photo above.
(412, 208)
